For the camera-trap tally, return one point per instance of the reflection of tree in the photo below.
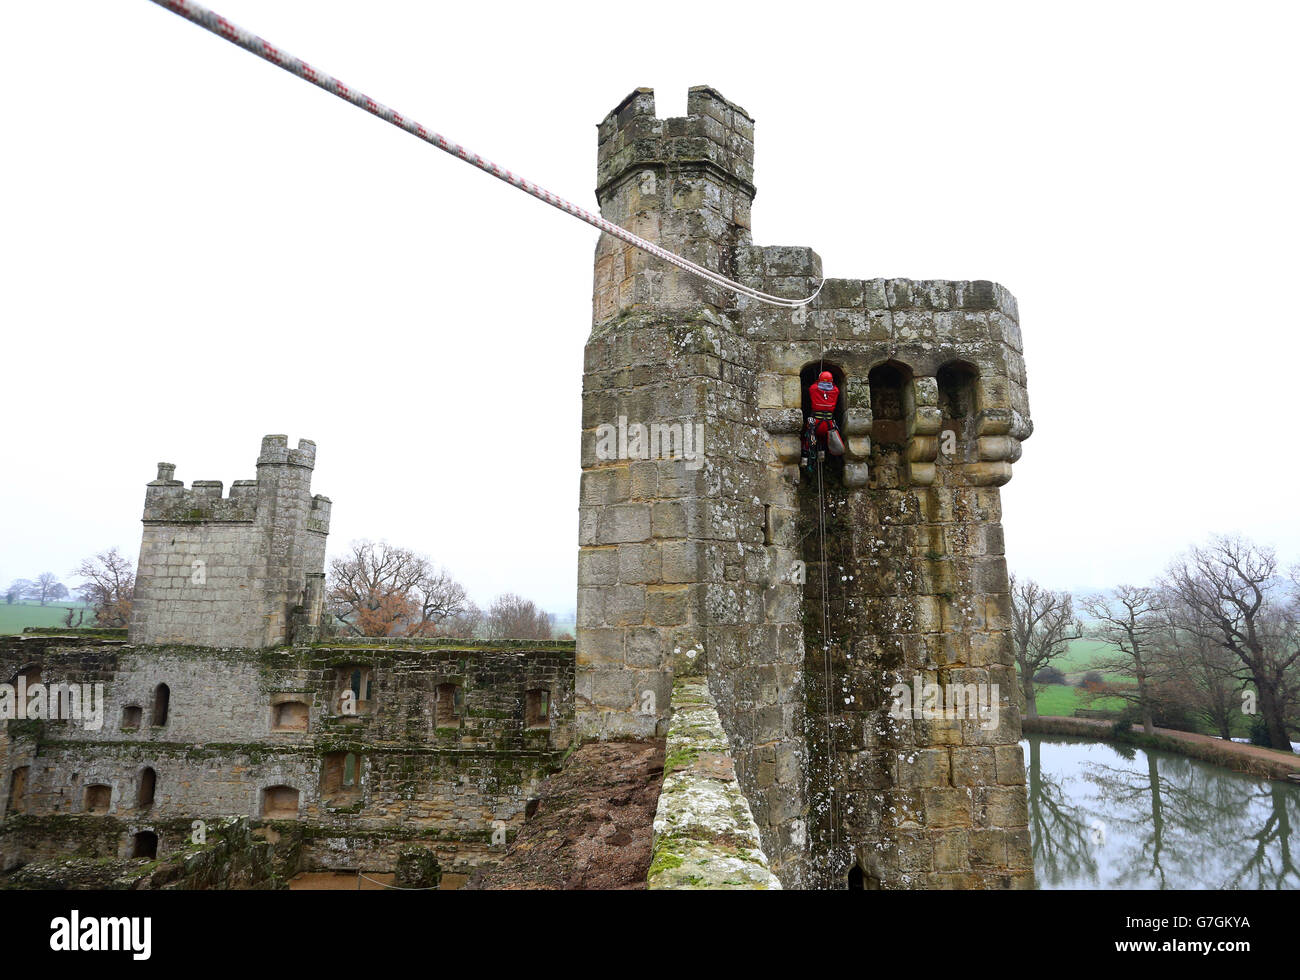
(1272, 867)
(1060, 832)
(1189, 824)
(1141, 794)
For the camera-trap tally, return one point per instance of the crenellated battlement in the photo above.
(715, 132)
(276, 452)
(228, 570)
(685, 183)
(169, 501)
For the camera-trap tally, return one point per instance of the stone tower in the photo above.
(812, 605)
(233, 571)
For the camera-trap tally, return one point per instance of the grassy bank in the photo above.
(1252, 759)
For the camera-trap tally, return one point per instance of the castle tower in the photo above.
(811, 605)
(677, 572)
(230, 571)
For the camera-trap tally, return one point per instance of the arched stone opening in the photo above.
(17, 799)
(808, 376)
(290, 716)
(352, 689)
(279, 802)
(958, 407)
(890, 385)
(148, 785)
(29, 673)
(162, 699)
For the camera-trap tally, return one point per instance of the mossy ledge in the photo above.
(704, 832)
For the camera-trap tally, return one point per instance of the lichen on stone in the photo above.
(704, 832)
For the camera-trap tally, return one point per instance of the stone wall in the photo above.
(229, 570)
(804, 600)
(232, 856)
(444, 748)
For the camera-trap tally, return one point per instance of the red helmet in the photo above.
(826, 376)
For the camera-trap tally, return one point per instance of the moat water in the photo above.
(1116, 816)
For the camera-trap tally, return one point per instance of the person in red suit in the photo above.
(821, 432)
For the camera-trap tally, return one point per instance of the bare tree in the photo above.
(1042, 626)
(1129, 619)
(1197, 673)
(20, 589)
(46, 587)
(465, 623)
(108, 587)
(512, 617)
(378, 589)
(1235, 597)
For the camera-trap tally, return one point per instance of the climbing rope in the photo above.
(827, 675)
(218, 25)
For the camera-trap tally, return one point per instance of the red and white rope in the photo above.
(218, 25)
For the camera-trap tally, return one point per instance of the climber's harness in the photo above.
(811, 446)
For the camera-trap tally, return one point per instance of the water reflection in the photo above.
(1115, 816)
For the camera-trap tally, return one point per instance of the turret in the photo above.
(219, 570)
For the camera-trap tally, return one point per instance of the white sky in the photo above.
(199, 249)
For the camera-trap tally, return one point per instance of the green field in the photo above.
(1061, 700)
(15, 617)
(1081, 655)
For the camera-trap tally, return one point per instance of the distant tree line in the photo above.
(44, 589)
(1215, 638)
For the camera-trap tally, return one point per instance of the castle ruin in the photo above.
(716, 581)
(348, 753)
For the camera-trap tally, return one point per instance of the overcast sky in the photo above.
(199, 249)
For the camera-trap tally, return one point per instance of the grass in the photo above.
(19, 615)
(1082, 654)
(1061, 700)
